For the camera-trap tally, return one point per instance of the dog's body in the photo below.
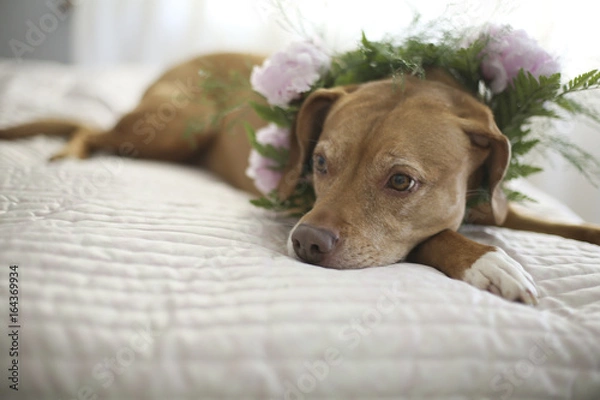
(393, 163)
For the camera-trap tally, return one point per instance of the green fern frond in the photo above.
(577, 157)
(526, 98)
(299, 203)
(522, 147)
(513, 195)
(575, 108)
(516, 169)
(589, 80)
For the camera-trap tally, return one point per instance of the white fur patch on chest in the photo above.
(496, 272)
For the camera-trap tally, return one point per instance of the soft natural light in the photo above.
(166, 31)
(160, 30)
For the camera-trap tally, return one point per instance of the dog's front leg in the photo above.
(485, 267)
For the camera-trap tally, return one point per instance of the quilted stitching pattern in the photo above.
(151, 281)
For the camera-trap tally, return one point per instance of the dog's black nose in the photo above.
(313, 244)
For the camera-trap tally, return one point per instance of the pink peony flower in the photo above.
(274, 135)
(289, 73)
(262, 169)
(508, 51)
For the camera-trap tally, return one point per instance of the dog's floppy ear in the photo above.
(305, 133)
(478, 122)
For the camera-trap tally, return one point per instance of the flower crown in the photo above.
(504, 68)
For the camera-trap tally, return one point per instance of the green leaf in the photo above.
(279, 155)
(514, 196)
(522, 147)
(518, 170)
(274, 114)
(263, 202)
(299, 203)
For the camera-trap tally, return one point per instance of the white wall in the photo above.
(164, 31)
(35, 29)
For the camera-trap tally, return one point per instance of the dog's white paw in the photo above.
(496, 272)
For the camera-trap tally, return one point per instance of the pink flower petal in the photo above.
(509, 51)
(261, 169)
(289, 73)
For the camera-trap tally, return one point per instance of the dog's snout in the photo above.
(313, 244)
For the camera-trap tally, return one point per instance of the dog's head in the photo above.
(392, 163)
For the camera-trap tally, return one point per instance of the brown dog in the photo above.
(392, 166)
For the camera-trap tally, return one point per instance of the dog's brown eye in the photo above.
(401, 182)
(320, 164)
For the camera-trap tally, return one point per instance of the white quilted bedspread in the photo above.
(142, 280)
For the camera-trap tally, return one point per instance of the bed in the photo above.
(146, 280)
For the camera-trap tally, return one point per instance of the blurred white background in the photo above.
(107, 32)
